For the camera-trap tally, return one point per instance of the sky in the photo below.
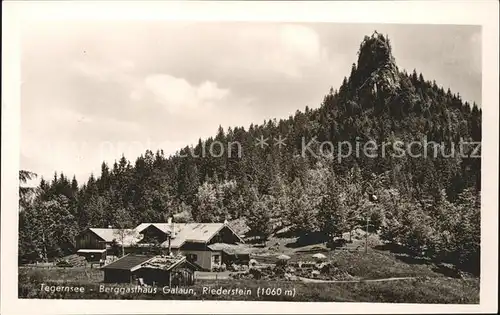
(92, 91)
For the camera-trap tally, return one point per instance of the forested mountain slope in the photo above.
(427, 200)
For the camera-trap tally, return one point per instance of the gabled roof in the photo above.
(164, 227)
(128, 262)
(142, 226)
(134, 262)
(187, 232)
(194, 232)
(108, 235)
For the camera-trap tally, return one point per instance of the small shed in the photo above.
(154, 270)
(92, 255)
(123, 269)
(168, 270)
(232, 253)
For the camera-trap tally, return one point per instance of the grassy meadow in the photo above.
(429, 286)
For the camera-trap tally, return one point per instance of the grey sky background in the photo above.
(94, 90)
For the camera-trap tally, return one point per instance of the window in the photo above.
(216, 259)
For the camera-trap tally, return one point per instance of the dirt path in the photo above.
(308, 280)
(207, 275)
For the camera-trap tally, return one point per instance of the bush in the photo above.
(256, 273)
(279, 270)
(281, 262)
(34, 276)
(63, 263)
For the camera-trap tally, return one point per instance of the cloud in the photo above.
(179, 96)
(280, 49)
(73, 142)
(301, 41)
(103, 70)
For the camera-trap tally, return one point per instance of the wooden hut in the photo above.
(238, 254)
(92, 255)
(153, 270)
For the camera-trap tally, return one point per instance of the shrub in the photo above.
(256, 273)
(63, 263)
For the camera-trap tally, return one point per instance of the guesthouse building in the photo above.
(196, 241)
(207, 245)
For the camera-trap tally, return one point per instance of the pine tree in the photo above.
(259, 218)
(331, 216)
(26, 194)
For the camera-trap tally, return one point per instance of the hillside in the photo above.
(427, 198)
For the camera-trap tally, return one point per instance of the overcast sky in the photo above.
(92, 91)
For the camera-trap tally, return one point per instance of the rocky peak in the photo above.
(375, 52)
(376, 66)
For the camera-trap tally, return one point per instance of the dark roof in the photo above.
(128, 262)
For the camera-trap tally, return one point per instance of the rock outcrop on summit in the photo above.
(376, 67)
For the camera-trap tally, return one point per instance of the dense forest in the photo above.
(429, 204)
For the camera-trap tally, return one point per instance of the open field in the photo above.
(437, 290)
(375, 264)
(399, 278)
